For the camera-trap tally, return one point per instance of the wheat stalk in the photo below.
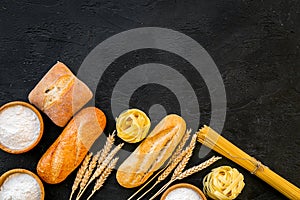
(107, 147)
(88, 173)
(197, 168)
(180, 155)
(80, 173)
(106, 161)
(170, 168)
(182, 163)
(103, 165)
(187, 173)
(171, 161)
(186, 158)
(181, 145)
(166, 172)
(99, 183)
(147, 183)
(105, 174)
(102, 161)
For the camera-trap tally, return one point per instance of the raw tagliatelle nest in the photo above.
(223, 183)
(132, 125)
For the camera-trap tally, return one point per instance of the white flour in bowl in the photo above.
(19, 127)
(183, 194)
(20, 186)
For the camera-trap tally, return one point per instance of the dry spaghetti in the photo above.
(213, 140)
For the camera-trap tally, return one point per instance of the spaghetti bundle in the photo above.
(213, 140)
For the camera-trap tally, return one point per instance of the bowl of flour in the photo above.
(183, 191)
(21, 127)
(20, 184)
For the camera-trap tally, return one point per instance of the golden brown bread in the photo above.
(70, 148)
(151, 154)
(60, 94)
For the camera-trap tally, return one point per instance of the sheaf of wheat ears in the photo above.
(166, 172)
(186, 158)
(89, 166)
(107, 147)
(179, 156)
(180, 167)
(88, 172)
(100, 169)
(106, 161)
(99, 183)
(173, 157)
(80, 173)
(182, 159)
(187, 173)
(181, 145)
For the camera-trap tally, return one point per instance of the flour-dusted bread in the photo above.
(60, 94)
(70, 148)
(151, 154)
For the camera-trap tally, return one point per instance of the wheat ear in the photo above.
(88, 173)
(107, 147)
(186, 158)
(106, 161)
(197, 168)
(166, 172)
(176, 159)
(103, 165)
(181, 165)
(182, 159)
(180, 155)
(180, 145)
(187, 173)
(174, 156)
(99, 183)
(169, 169)
(80, 173)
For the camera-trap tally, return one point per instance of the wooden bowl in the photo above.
(13, 171)
(183, 185)
(18, 151)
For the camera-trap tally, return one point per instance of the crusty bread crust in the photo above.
(70, 148)
(60, 94)
(152, 153)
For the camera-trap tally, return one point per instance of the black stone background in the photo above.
(255, 45)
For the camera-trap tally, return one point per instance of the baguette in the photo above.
(151, 154)
(70, 148)
(60, 94)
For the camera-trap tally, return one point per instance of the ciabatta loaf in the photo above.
(60, 94)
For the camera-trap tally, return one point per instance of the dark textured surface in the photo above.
(255, 45)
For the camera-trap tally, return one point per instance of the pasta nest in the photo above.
(223, 183)
(132, 125)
